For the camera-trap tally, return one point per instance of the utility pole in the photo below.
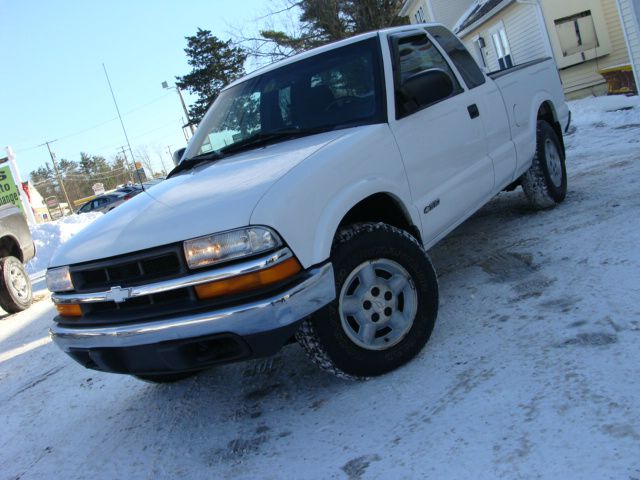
(55, 168)
(186, 112)
(126, 162)
(166, 86)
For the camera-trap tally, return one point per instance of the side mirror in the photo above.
(177, 156)
(424, 88)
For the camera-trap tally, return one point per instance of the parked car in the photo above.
(16, 249)
(152, 183)
(129, 191)
(304, 206)
(103, 203)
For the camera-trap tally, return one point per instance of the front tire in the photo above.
(545, 183)
(15, 285)
(386, 305)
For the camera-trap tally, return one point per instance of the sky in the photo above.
(53, 86)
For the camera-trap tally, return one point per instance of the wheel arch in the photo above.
(381, 207)
(547, 112)
(360, 203)
(9, 246)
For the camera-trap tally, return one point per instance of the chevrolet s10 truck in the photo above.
(303, 208)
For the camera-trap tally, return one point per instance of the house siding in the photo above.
(448, 12)
(630, 14)
(524, 32)
(583, 79)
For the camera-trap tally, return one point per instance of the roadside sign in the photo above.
(53, 205)
(8, 189)
(98, 189)
(142, 177)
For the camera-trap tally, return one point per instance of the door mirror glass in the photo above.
(425, 88)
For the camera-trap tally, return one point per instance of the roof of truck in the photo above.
(327, 47)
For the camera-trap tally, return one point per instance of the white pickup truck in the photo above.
(303, 208)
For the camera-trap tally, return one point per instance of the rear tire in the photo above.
(386, 305)
(545, 183)
(15, 286)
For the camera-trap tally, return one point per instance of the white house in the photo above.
(630, 18)
(585, 37)
(446, 12)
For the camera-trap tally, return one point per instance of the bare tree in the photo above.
(292, 26)
(142, 155)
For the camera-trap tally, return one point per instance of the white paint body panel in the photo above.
(304, 187)
(524, 91)
(210, 198)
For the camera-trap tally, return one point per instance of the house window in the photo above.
(503, 51)
(419, 15)
(577, 33)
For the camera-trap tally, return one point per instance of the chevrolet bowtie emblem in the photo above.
(118, 294)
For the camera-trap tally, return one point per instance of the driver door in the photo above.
(443, 143)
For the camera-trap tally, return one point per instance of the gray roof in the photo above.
(473, 15)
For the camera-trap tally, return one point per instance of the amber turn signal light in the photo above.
(69, 309)
(249, 281)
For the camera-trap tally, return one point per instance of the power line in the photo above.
(117, 145)
(98, 125)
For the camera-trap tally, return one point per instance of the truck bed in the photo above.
(524, 88)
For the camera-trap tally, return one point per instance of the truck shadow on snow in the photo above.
(258, 407)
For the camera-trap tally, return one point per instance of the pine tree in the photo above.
(214, 63)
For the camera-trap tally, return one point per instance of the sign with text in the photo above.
(98, 188)
(53, 205)
(8, 189)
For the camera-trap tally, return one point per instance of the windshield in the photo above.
(336, 89)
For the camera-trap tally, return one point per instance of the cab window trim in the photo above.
(454, 65)
(394, 42)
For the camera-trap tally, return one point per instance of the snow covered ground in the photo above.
(532, 371)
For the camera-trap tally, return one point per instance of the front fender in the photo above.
(340, 205)
(307, 204)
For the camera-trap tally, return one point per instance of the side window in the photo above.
(417, 54)
(416, 58)
(460, 56)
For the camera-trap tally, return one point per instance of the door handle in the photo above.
(474, 111)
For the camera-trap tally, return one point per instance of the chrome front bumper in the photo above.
(284, 309)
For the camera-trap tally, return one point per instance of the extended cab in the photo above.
(303, 207)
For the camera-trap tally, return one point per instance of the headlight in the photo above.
(226, 246)
(59, 279)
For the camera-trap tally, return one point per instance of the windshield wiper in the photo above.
(189, 163)
(264, 138)
(253, 141)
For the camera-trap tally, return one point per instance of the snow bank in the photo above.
(49, 236)
(611, 111)
(608, 125)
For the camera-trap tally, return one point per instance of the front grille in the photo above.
(143, 268)
(129, 270)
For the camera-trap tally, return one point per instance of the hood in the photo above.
(211, 198)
